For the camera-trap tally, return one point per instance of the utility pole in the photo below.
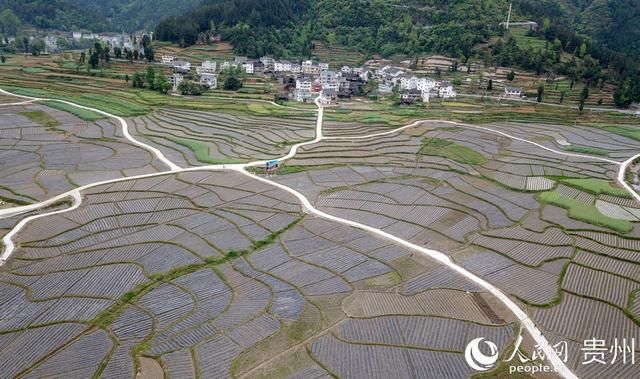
(509, 16)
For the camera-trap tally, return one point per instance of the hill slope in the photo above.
(53, 14)
(133, 15)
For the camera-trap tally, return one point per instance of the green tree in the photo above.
(25, 44)
(623, 96)
(2, 59)
(162, 84)
(584, 95)
(10, 24)
(490, 85)
(138, 80)
(190, 88)
(562, 94)
(232, 83)
(126, 78)
(150, 77)
(511, 75)
(62, 43)
(540, 93)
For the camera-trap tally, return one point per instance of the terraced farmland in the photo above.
(45, 152)
(212, 273)
(216, 274)
(191, 138)
(491, 218)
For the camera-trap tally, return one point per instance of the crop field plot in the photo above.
(577, 139)
(45, 152)
(201, 138)
(5, 99)
(215, 274)
(553, 231)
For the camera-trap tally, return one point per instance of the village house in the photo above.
(389, 73)
(258, 67)
(239, 60)
(425, 84)
(226, 65)
(408, 82)
(329, 80)
(512, 91)
(412, 94)
(207, 67)
(248, 67)
(345, 70)
(385, 88)
(268, 62)
(77, 35)
(328, 96)
(446, 90)
(282, 66)
(167, 59)
(296, 68)
(175, 80)
(182, 67)
(209, 80)
(302, 92)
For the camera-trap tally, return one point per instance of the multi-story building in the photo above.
(209, 80)
(207, 67)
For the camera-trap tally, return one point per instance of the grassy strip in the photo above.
(41, 118)
(450, 150)
(78, 112)
(628, 131)
(584, 212)
(588, 150)
(596, 187)
(200, 149)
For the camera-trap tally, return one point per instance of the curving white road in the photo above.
(444, 259)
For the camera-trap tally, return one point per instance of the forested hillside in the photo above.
(254, 27)
(132, 15)
(48, 14)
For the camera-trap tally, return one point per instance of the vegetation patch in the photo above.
(596, 187)
(443, 148)
(628, 131)
(78, 112)
(41, 118)
(200, 149)
(588, 150)
(585, 212)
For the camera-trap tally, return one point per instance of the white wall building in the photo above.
(207, 67)
(175, 80)
(248, 67)
(296, 68)
(208, 79)
(446, 90)
(182, 66)
(425, 84)
(282, 66)
(168, 59)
